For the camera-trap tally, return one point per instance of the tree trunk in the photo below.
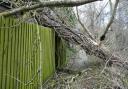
(49, 19)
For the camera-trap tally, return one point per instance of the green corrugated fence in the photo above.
(60, 55)
(27, 54)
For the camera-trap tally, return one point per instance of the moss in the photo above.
(60, 53)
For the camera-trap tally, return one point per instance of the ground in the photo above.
(90, 78)
(87, 72)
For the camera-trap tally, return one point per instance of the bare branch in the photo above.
(48, 4)
(83, 26)
(110, 21)
(101, 10)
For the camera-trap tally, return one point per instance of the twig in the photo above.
(24, 83)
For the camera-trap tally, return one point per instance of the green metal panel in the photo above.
(60, 50)
(27, 56)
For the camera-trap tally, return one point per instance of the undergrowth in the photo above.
(90, 78)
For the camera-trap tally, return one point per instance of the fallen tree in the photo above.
(48, 18)
(90, 46)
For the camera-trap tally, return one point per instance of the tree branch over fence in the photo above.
(48, 4)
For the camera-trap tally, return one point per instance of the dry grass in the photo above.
(90, 78)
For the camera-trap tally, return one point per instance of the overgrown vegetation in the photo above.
(94, 77)
(109, 42)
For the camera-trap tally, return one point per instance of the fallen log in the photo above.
(49, 19)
